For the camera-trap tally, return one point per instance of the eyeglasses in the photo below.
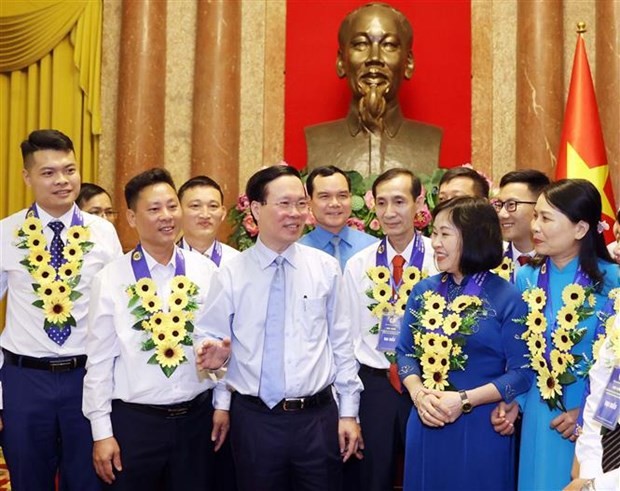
(285, 205)
(510, 205)
(103, 213)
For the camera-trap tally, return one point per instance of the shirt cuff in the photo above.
(221, 398)
(349, 405)
(101, 428)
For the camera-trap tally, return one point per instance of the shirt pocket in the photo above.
(313, 313)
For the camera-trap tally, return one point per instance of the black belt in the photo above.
(54, 365)
(168, 411)
(377, 372)
(296, 403)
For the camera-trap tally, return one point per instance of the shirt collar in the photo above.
(516, 252)
(392, 120)
(152, 263)
(46, 218)
(323, 236)
(391, 252)
(266, 256)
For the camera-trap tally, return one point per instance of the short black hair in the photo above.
(578, 199)
(147, 178)
(388, 175)
(88, 191)
(481, 186)
(45, 140)
(535, 180)
(325, 171)
(256, 187)
(200, 181)
(481, 235)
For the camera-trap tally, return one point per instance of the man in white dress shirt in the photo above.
(44, 338)
(384, 405)
(202, 201)
(276, 309)
(150, 409)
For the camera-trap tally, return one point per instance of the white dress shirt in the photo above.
(357, 282)
(515, 255)
(23, 332)
(318, 349)
(227, 252)
(117, 367)
(589, 449)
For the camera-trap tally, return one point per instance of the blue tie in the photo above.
(335, 241)
(57, 245)
(272, 385)
(55, 333)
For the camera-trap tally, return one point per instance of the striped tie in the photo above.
(611, 449)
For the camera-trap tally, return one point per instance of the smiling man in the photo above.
(375, 56)
(276, 310)
(150, 410)
(203, 207)
(407, 255)
(329, 189)
(49, 254)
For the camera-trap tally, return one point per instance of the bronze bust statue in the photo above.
(375, 55)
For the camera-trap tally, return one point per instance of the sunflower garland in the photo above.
(56, 290)
(559, 368)
(439, 334)
(505, 269)
(168, 331)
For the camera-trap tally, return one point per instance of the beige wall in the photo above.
(262, 84)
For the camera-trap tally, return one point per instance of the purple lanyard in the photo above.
(472, 288)
(416, 259)
(508, 254)
(216, 255)
(581, 279)
(141, 268)
(77, 220)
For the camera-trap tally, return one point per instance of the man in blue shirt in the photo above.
(329, 189)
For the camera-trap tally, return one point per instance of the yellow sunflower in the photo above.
(404, 291)
(57, 309)
(443, 344)
(181, 283)
(430, 361)
(536, 322)
(562, 340)
(145, 287)
(435, 302)
(573, 294)
(567, 317)
(44, 274)
(431, 320)
(177, 319)
(32, 225)
(461, 302)
(151, 304)
(381, 309)
(39, 257)
(411, 276)
(435, 380)
(160, 335)
(560, 361)
(614, 339)
(400, 306)
(78, 234)
(451, 324)
(72, 252)
(539, 363)
(60, 288)
(46, 291)
(505, 268)
(535, 298)
(170, 354)
(379, 274)
(609, 323)
(417, 338)
(548, 384)
(68, 270)
(596, 347)
(177, 333)
(456, 350)
(36, 242)
(382, 293)
(536, 344)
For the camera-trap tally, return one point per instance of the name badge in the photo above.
(608, 409)
(389, 332)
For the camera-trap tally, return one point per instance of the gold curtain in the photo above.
(50, 77)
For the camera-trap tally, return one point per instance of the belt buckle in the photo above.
(293, 404)
(177, 412)
(62, 366)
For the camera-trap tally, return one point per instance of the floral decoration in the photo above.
(606, 325)
(505, 269)
(168, 331)
(56, 290)
(560, 367)
(439, 334)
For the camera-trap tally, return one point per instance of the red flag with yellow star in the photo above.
(582, 149)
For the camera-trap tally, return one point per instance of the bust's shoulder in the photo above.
(326, 129)
(411, 128)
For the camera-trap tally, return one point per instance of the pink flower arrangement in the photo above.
(355, 222)
(250, 225)
(374, 225)
(422, 218)
(369, 199)
(243, 203)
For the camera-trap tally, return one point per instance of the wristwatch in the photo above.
(588, 485)
(466, 406)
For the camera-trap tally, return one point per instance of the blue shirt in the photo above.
(351, 242)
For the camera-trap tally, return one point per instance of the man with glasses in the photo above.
(95, 200)
(329, 189)
(462, 181)
(275, 310)
(518, 192)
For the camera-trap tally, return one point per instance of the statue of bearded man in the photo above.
(375, 55)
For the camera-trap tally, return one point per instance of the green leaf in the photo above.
(133, 301)
(138, 326)
(189, 327)
(38, 303)
(139, 312)
(566, 378)
(74, 295)
(148, 345)
(87, 246)
(187, 340)
(374, 329)
(153, 360)
(71, 321)
(168, 371)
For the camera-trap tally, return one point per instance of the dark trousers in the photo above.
(275, 450)
(383, 417)
(162, 452)
(45, 431)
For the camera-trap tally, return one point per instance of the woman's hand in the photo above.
(451, 405)
(504, 416)
(565, 424)
(431, 410)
